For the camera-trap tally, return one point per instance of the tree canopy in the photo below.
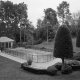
(63, 10)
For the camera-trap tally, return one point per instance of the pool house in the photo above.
(6, 42)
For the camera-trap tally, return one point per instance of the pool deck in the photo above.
(35, 65)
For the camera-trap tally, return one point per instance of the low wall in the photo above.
(35, 58)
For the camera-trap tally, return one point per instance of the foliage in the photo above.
(58, 66)
(11, 16)
(66, 70)
(63, 47)
(29, 62)
(47, 26)
(63, 10)
(52, 70)
(76, 56)
(63, 44)
(78, 39)
(39, 41)
(39, 23)
(72, 62)
(50, 16)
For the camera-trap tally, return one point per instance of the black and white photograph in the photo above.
(39, 39)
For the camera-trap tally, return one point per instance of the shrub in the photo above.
(42, 48)
(73, 62)
(14, 44)
(75, 67)
(63, 47)
(29, 62)
(50, 40)
(51, 70)
(28, 46)
(58, 66)
(20, 44)
(78, 39)
(76, 56)
(66, 70)
(22, 65)
(25, 43)
(38, 41)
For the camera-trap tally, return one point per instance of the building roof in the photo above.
(5, 39)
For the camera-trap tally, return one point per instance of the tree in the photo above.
(63, 10)
(11, 14)
(39, 23)
(50, 16)
(78, 39)
(63, 47)
(50, 19)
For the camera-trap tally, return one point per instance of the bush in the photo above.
(14, 44)
(63, 47)
(38, 41)
(73, 62)
(76, 56)
(66, 70)
(75, 67)
(50, 40)
(58, 66)
(22, 65)
(20, 44)
(25, 43)
(28, 46)
(78, 39)
(29, 62)
(51, 70)
(42, 48)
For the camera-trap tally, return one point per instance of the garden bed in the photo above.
(34, 69)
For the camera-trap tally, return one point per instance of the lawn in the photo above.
(11, 70)
(50, 45)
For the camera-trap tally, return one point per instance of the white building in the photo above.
(6, 42)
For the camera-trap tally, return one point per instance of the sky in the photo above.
(36, 7)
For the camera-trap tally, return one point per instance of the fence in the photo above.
(35, 58)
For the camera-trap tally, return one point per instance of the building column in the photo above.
(1, 44)
(8, 44)
(4, 45)
(11, 44)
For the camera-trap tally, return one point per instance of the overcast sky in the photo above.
(36, 7)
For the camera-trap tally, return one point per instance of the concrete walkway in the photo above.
(12, 57)
(35, 65)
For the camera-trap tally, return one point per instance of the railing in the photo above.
(26, 56)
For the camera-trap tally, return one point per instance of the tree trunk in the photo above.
(47, 34)
(20, 34)
(24, 36)
(62, 63)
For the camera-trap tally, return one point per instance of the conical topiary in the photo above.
(78, 39)
(63, 47)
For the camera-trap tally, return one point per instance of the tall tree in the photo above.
(63, 47)
(50, 19)
(63, 10)
(11, 15)
(50, 16)
(39, 23)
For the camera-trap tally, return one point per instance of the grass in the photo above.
(11, 70)
(50, 45)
